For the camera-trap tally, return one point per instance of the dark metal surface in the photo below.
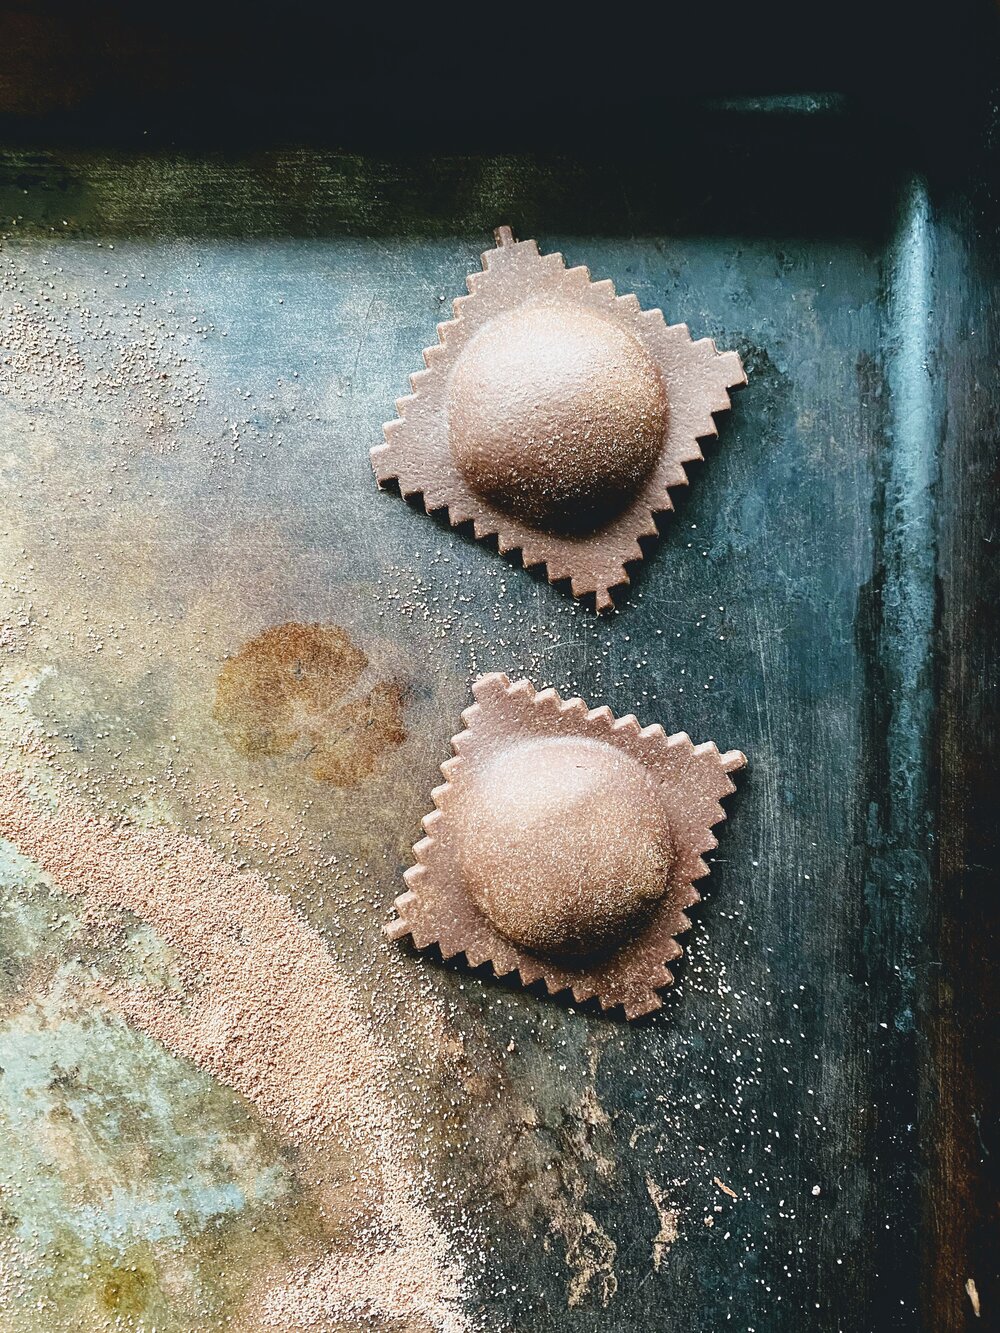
(820, 599)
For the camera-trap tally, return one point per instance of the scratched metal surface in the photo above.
(195, 358)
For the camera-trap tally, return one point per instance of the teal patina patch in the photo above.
(131, 1183)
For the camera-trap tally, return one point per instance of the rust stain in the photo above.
(545, 1169)
(721, 1184)
(668, 1218)
(307, 692)
(973, 1294)
(590, 1256)
(123, 1288)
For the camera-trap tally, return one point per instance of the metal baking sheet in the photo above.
(219, 634)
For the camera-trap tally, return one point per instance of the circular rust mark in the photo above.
(125, 1289)
(556, 414)
(307, 692)
(563, 844)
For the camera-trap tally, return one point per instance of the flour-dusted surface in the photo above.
(229, 662)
